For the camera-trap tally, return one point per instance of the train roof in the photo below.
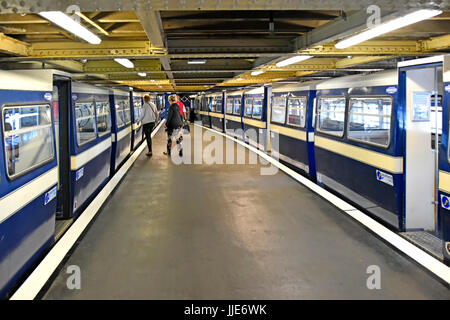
(214, 94)
(29, 80)
(258, 90)
(79, 87)
(384, 78)
(235, 93)
(119, 92)
(294, 87)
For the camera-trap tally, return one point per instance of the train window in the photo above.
(137, 107)
(370, 120)
(279, 109)
(237, 106)
(103, 121)
(297, 111)
(331, 115)
(230, 105)
(248, 107)
(85, 121)
(257, 108)
(219, 105)
(213, 104)
(28, 137)
(123, 115)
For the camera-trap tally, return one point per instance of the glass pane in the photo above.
(237, 106)
(370, 120)
(230, 105)
(257, 108)
(103, 122)
(219, 105)
(248, 107)
(85, 120)
(213, 104)
(28, 137)
(137, 104)
(297, 111)
(278, 109)
(126, 111)
(331, 113)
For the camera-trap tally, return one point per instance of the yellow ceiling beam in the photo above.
(92, 23)
(354, 61)
(73, 66)
(12, 46)
(110, 66)
(106, 49)
(436, 43)
(376, 47)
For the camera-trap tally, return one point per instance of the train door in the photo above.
(61, 105)
(422, 94)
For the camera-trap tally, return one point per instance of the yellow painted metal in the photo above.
(436, 43)
(110, 66)
(70, 65)
(92, 23)
(106, 49)
(12, 46)
(375, 47)
(350, 62)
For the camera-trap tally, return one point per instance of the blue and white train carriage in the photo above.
(137, 102)
(254, 118)
(28, 171)
(292, 125)
(90, 132)
(121, 127)
(216, 111)
(233, 113)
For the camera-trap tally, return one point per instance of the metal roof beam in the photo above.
(12, 46)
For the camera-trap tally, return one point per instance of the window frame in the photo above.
(245, 107)
(96, 117)
(305, 108)
(38, 165)
(390, 118)
(95, 129)
(240, 106)
(285, 108)
(317, 127)
(262, 106)
(221, 104)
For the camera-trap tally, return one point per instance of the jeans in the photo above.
(148, 128)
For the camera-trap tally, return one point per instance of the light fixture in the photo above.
(389, 26)
(142, 74)
(125, 62)
(239, 79)
(292, 60)
(64, 21)
(196, 61)
(257, 72)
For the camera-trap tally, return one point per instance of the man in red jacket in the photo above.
(182, 108)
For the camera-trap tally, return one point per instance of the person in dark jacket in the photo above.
(174, 123)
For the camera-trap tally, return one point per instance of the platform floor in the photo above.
(226, 232)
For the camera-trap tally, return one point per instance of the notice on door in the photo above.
(421, 103)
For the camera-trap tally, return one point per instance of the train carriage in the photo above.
(91, 146)
(216, 114)
(137, 102)
(205, 105)
(255, 117)
(291, 125)
(121, 127)
(28, 171)
(233, 114)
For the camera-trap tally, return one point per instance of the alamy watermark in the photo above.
(207, 147)
(73, 281)
(374, 280)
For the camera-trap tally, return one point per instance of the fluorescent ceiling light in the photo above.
(125, 62)
(64, 21)
(196, 61)
(142, 74)
(257, 72)
(292, 60)
(389, 26)
(239, 79)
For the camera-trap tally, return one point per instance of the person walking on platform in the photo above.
(174, 123)
(182, 108)
(148, 118)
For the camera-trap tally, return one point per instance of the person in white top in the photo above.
(148, 118)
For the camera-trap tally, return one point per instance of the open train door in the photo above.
(421, 103)
(62, 98)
